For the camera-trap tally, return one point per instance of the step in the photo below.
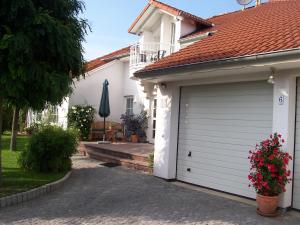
(132, 164)
(123, 155)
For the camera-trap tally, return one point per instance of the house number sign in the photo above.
(281, 100)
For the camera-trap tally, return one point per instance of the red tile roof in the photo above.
(270, 27)
(93, 64)
(172, 10)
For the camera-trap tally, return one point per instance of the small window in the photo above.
(53, 114)
(173, 33)
(154, 110)
(129, 105)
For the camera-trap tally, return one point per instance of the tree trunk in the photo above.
(14, 129)
(1, 125)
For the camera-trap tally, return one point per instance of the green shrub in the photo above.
(151, 160)
(33, 128)
(49, 150)
(81, 118)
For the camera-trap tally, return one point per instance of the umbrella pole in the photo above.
(104, 130)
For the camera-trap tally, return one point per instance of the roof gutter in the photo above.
(218, 64)
(117, 57)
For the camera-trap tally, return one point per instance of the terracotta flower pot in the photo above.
(267, 206)
(134, 138)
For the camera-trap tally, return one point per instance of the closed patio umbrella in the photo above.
(104, 109)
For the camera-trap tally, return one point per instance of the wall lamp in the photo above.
(271, 79)
(163, 86)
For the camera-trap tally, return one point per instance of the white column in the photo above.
(177, 34)
(166, 132)
(165, 33)
(284, 121)
(63, 113)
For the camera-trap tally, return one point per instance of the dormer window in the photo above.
(158, 32)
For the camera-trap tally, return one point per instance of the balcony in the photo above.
(142, 55)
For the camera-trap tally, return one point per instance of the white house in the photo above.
(233, 82)
(213, 88)
(160, 28)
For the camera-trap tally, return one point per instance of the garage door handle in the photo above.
(188, 169)
(189, 154)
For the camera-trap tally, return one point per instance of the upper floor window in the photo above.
(173, 34)
(129, 105)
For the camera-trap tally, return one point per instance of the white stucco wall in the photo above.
(284, 120)
(63, 110)
(88, 91)
(133, 88)
(187, 27)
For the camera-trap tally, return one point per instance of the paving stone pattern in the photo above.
(98, 195)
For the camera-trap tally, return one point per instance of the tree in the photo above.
(40, 50)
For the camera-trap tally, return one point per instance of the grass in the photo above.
(16, 179)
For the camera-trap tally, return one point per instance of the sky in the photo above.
(110, 20)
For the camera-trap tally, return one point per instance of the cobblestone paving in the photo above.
(111, 196)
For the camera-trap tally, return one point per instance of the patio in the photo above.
(131, 155)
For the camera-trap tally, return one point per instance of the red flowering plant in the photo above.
(269, 167)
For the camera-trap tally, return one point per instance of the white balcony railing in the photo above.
(144, 54)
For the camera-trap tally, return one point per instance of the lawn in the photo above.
(16, 179)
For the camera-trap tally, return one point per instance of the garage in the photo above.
(218, 125)
(296, 192)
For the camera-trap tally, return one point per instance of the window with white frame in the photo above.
(129, 105)
(48, 115)
(173, 33)
(154, 111)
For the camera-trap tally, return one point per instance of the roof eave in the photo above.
(267, 56)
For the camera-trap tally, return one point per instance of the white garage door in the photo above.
(296, 194)
(218, 126)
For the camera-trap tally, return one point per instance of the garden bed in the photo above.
(17, 180)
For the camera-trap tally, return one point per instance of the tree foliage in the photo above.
(40, 50)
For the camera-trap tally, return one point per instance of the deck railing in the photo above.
(144, 54)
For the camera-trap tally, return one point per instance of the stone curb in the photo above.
(33, 193)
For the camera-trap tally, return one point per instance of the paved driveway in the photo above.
(100, 195)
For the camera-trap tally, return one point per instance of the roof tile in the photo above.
(93, 64)
(266, 28)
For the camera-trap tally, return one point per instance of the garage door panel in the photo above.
(204, 142)
(237, 101)
(217, 159)
(246, 135)
(222, 164)
(220, 110)
(233, 116)
(240, 126)
(247, 144)
(240, 139)
(237, 169)
(219, 124)
(214, 183)
(198, 150)
(217, 155)
(234, 104)
(240, 88)
(217, 175)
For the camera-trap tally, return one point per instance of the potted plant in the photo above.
(135, 126)
(269, 173)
